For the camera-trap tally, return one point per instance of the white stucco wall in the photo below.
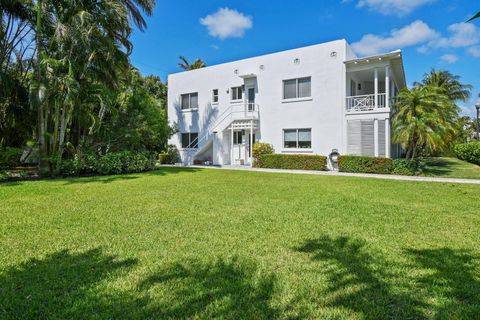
(323, 112)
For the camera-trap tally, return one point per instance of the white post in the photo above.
(376, 87)
(231, 146)
(375, 136)
(387, 138)
(387, 87)
(251, 142)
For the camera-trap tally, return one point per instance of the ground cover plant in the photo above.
(205, 243)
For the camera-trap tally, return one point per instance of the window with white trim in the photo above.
(237, 137)
(237, 93)
(297, 88)
(190, 140)
(297, 138)
(215, 96)
(189, 100)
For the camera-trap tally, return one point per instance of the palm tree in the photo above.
(197, 64)
(80, 46)
(445, 80)
(475, 16)
(423, 120)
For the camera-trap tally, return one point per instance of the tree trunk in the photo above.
(43, 164)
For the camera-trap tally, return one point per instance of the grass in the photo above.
(451, 168)
(193, 243)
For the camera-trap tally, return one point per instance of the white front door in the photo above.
(239, 147)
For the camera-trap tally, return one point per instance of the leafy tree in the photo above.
(424, 120)
(197, 64)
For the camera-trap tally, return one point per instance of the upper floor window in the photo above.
(297, 138)
(297, 88)
(237, 93)
(189, 100)
(215, 96)
(190, 140)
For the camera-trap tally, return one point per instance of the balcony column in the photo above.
(376, 87)
(387, 138)
(375, 137)
(387, 87)
(251, 143)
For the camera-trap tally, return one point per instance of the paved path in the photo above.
(346, 174)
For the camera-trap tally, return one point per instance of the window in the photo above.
(237, 137)
(189, 101)
(297, 88)
(237, 93)
(297, 138)
(215, 96)
(190, 140)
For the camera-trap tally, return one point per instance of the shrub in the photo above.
(292, 161)
(407, 167)
(361, 164)
(260, 149)
(170, 156)
(110, 163)
(10, 157)
(469, 152)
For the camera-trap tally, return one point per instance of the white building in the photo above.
(310, 100)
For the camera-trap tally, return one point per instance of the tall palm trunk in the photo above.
(43, 164)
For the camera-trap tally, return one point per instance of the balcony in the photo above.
(365, 103)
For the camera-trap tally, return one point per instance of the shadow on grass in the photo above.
(439, 167)
(67, 285)
(64, 286)
(223, 289)
(452, 276)
(359, 282)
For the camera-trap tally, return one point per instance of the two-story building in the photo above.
(310, 100)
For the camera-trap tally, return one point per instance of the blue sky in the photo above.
(431, 33)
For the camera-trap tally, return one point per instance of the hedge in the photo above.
(292, 161)
(110, 163)
(170, 156)
(469, 152)
(362, 164)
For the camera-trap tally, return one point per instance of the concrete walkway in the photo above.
(345, 174)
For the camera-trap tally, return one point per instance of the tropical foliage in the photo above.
(67, 81)
(185, 65)
(426, 118)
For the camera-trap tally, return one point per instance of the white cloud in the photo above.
(460, 35)
(449, 58)
(392, 7)
(474, 51)
(227, 23)
(417, 32)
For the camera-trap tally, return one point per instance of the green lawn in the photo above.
(193, 243)
(451, 168)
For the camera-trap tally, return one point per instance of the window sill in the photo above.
(190, 110)
(236, 101)
(297, 150)
(297, 100)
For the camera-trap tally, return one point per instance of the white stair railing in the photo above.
(234, 112)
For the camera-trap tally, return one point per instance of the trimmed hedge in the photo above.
(407, 167)
(260, 149)
(292, 161)
(110, 163)
(469, 152)
(361, 164)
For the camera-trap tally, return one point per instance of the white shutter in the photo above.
(368, 139)
(354, 141)
(381, 138)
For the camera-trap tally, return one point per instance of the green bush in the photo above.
(10, 157)
(469, 152)
(292, 161)
(260, 149)
(361, 164)
(110, 163)
(407, 167)
(170, 156)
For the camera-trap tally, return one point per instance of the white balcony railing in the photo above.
(365, 102)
